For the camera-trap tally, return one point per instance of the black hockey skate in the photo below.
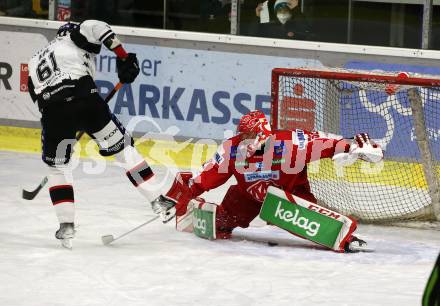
(354, 245)
(66, 233)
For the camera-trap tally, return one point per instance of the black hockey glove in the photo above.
(128, 68)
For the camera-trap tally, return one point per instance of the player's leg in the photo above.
(113, 139)
(58, 138)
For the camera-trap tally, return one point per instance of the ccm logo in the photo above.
(111, 134)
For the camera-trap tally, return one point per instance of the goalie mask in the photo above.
(254, 130)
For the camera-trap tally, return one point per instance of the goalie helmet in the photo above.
(254, 130)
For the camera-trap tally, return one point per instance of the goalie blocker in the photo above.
(284, 210)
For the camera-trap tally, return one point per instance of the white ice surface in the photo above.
(159, 266)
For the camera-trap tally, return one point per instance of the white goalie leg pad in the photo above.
(199, 218)
(61, 192)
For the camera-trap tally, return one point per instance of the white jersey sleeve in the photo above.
(95, 31)
(63, 60)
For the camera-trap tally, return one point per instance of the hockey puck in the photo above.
(272, 244)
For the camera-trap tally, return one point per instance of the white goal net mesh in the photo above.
(402, 187)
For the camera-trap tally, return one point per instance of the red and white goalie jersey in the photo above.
(280, 162)
(258, 158)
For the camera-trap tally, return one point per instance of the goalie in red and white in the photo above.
(258, 158)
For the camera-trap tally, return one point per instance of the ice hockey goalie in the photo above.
(259, 158)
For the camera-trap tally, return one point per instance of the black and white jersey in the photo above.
(64, 59)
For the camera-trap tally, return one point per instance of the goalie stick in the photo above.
(107, 239)
(30, 195)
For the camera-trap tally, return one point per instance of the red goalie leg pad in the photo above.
(349, 234)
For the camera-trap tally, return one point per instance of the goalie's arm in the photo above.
(341, 150)
(324, 145)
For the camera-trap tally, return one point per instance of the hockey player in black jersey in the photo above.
(61, 81)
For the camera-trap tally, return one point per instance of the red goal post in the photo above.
(401, 111)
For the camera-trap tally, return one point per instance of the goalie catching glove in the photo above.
(362, 148)
(366, 149)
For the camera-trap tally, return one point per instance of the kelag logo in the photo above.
(296, 219)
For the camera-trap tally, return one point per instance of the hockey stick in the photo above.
(107, 239)
(30, 195)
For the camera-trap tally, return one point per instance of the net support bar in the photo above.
(425, 150)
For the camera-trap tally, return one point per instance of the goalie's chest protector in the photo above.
(276, 167)
(60, 60)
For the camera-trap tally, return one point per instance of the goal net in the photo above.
(400, 112)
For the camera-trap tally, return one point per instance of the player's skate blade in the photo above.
(66, 233)
(67, 243)
(356, 245)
